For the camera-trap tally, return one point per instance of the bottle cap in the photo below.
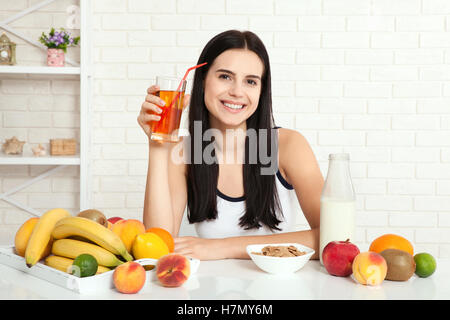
(339, 156)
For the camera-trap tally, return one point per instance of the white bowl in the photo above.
(278, 265)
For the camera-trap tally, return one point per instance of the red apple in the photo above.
(114, 219)
(338, 256)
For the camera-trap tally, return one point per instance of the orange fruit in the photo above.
(391, 241)
(165, 235)
(23, 235)
(149, 245)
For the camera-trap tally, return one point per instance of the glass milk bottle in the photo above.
(337, 203)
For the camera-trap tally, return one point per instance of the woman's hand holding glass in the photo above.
(152, 108)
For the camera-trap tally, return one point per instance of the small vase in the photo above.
(55, 57)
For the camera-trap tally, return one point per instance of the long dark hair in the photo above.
(261, 197)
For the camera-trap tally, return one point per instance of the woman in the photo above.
(233, 203)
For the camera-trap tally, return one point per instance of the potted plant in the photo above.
(57, 43)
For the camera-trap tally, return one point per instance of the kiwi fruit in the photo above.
(400, 264)
(95, 215)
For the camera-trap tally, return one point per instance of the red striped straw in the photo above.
(184, 78)
(165, 110)
(187, 72)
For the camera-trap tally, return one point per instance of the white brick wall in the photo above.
(368, 77)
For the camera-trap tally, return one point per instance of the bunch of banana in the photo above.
(88, 229)
(70, 248)
(65, 264)
(42, 234)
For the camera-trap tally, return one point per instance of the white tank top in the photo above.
(230, 209)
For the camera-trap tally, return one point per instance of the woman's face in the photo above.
(233, 87)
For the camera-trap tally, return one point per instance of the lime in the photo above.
(425, 264)
(84, 265)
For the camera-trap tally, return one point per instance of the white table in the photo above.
(242, 279)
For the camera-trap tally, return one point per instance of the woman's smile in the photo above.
(233, 107)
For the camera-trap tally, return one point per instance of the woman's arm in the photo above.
(165, 192)
(236, 247)
(303, 173)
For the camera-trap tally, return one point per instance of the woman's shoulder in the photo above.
(292, 145)
(288, 138)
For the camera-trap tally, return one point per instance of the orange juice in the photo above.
(166, 128)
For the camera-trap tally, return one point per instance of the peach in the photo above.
(129, 277)
(369, 268)
(173, 269)
(127, 230)
(24, 234)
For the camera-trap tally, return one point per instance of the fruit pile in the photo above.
(90, 244)
(390, 257)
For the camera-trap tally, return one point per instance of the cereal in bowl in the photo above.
(280, 251)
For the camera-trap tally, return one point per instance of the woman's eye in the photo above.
(252, 82)
(224, 76)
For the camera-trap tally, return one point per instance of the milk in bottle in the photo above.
(337, 203)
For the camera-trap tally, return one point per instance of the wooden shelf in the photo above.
(40, 70)
(46, 160)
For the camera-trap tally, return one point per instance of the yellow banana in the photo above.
(70, 248)
(65, 264)
(41, 235)
(93, 231)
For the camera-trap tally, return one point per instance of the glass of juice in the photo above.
(172, 92)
